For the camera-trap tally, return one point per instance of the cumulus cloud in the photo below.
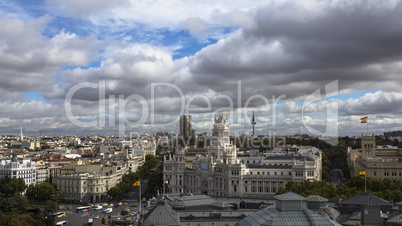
(281, 49)
(157, 13)
(29, 61)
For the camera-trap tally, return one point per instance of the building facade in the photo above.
(222, 173)
(42, 174)
(18, 168)
(89, 183)
(186, 128)
(379, 162)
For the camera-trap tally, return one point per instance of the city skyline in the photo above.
(207, 55)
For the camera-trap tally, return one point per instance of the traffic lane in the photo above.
(74, 218)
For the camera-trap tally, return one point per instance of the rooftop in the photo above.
(289, 157)
(290, 196)
(365, 199)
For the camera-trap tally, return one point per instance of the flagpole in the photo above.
(140, 204)
(365, 182)
(367, 125)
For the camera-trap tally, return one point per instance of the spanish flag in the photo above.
(362, 173)
(363, 120)
(136, 184)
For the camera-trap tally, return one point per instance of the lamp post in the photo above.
(166, 187)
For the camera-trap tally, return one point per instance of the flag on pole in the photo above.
(363, 120)
(136, 184)
(362, 173)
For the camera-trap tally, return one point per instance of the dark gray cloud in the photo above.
(282, 48)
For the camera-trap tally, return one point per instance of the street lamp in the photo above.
(166, 187)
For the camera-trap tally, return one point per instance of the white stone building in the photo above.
(19, 168)
(89, 183)
(221, 173)
(42, 174)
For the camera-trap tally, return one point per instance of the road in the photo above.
(81, 219)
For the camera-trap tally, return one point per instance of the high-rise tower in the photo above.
(186, 128)
(253, 122)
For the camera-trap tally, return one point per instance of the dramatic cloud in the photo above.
(268, 55)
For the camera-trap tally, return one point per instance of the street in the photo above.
(74, 218)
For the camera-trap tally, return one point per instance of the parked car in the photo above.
(119, 204)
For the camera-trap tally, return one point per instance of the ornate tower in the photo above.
(221, 131)
(221, 150)
(368, 145)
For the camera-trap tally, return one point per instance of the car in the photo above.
(119, 204)
(123, 213)
(96, 217)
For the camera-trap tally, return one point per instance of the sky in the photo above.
(71, 67)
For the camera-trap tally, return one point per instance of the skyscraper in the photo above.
(186, 126)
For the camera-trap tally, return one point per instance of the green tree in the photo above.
(115, 192)
(150, 161)
(155, 180)
(18, 219)
(15, 185)
(43, 191)
(16, 203)
(51, 206)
